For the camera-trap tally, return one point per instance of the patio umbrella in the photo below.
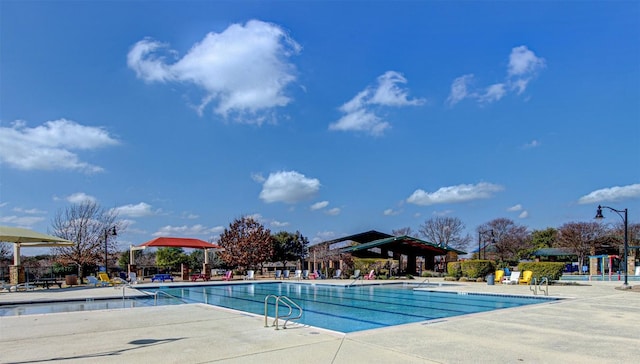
(29, 238)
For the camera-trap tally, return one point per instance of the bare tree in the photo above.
(5, 250)
(510, 239)
(404, 231)
(583, 238)
(84, 224)
(246, 243)
(445, 231)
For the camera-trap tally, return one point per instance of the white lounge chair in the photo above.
(249, 275)
(338, 274)
(297, 274)
(133, 278)
(513, 278)
(285, 274)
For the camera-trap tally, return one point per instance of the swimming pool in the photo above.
(83, 305)
(349, 309)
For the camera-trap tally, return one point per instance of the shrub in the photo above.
(477, 268)
(454, 269)
(551, 270)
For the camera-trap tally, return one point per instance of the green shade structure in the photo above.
(28, 238)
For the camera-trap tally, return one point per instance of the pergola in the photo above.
(171, 242)
(375, 244)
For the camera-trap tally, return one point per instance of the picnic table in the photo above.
(195, 277)
(46, 282)
(162, 277)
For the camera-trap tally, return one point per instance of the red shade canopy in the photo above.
(180, 243)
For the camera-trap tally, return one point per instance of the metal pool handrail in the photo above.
(534, 286)
(288, 302)
(423, 282)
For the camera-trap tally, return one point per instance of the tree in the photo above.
(446, 232)
(246, 243)
(404, 231)
(511, 241)
(171, 258)
(289, 247)
(544, 238)
(5, 250)
(583, 238)
(85, 224)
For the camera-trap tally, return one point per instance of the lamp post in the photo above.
(599, 216)
(480, 232)
(107, 232)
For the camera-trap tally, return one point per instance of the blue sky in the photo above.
(330, 118)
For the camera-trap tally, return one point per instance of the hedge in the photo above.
(477, 268)
(551, 270)
(454, 270)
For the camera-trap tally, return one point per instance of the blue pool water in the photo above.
(349, 309)
(83, 305)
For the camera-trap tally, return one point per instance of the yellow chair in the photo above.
(499, 275)
(105, 280)
(526, 277)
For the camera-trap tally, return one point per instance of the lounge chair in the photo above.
(278, 274)
(249, 275)
(104, 277)
(338, 274)
(285, 274)
(319, 275)
(5, 286)
(499, 275)
(356, 274)
(513, 278)
(133, 278)
(371, 275)
(96, 282)
(228, 276)
(305, 274)
(297, 274)
(526, 277)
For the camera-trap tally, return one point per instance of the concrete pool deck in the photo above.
(596, 323)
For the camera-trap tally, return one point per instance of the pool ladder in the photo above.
(154, 294)
(534, 286)
(285, 301)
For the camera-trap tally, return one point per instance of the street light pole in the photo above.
(624, 217)
(480, 232)
(107, 232)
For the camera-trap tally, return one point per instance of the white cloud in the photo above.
(333, 212)
(532, 144)
(288, 187)
(278, 224)
(459, 89)
(80, 197)
(21, 221)
(51, 146)
(524, 214)
(243, 69)
(258, 177)
(616, 193)
(29, 211)
(493, 93)
(361, 110)
(454, 194)
(513, 208)
(319, 205)
(523, 66)
(523, 62)
(185, 231)
(139, 210)
(391, 212)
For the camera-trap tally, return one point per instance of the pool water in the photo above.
(349, 309)
(83, 305)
